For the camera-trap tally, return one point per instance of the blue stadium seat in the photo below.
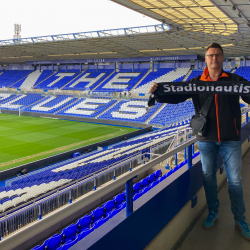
(144, 182)
(97, 214)
(158, 174)
(39, 247)
(108, 206)
(54, 242)
(84, 222)
(69, 233)
(136, 188)
(119, 200)
(151, 178)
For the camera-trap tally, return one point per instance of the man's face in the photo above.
(214, 58)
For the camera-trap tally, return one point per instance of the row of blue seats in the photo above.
(87, 224)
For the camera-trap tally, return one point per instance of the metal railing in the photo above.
(19, 217)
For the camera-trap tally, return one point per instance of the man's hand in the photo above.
(153, 87)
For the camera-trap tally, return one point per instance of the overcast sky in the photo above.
(52, 17)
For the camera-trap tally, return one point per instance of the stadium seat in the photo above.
(136, 188)
(84, 222)
(151, 178)
(39, 247)
(119, 200)
(54, 242)
(97, 214)
(144, 182)
(158, 173)
(108, 206)
(69, 233)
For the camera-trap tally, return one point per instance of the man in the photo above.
(224, 135)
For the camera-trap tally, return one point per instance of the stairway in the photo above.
(141, 80)
(187, 75)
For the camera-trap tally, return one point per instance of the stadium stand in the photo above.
(37, 183)
(194, 73)
(173, 75)
(135, 110)
(89, 79)
(57, 80)
(9, 77)
(32, 79)
(174, 113)
(51, 104)
(152, 76)
(124, 80)
(20, 101)
(88, 107)
(244, 72)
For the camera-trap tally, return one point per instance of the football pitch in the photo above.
(26, 139)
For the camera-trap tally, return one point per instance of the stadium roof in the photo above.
(189, 26)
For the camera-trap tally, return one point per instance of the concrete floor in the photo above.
(223, 236)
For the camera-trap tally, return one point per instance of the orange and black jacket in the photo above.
(224, 116)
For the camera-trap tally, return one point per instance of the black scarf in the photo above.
(200, 87)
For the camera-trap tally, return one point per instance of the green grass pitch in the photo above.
(25, 139)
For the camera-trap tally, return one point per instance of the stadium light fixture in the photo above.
(227, 45)
(54, 55)
(88, 53)
(70, 54)
(148, 50)
(26, 56)
(13, 57)
(107, 53)
(196, 48)
(175, 49)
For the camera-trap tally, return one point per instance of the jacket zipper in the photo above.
(217, 116)
(235, 126)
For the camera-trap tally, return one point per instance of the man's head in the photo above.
(214, 56)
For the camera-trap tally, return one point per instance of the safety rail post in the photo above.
(185, 153)
(40, 212)
(114, 175)
(95, 184)
(70, 197)
(129, 196)
(167, 167)
(192, 148)
(189, 156)
(246, 117)
(130, 167)
(176, 159)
